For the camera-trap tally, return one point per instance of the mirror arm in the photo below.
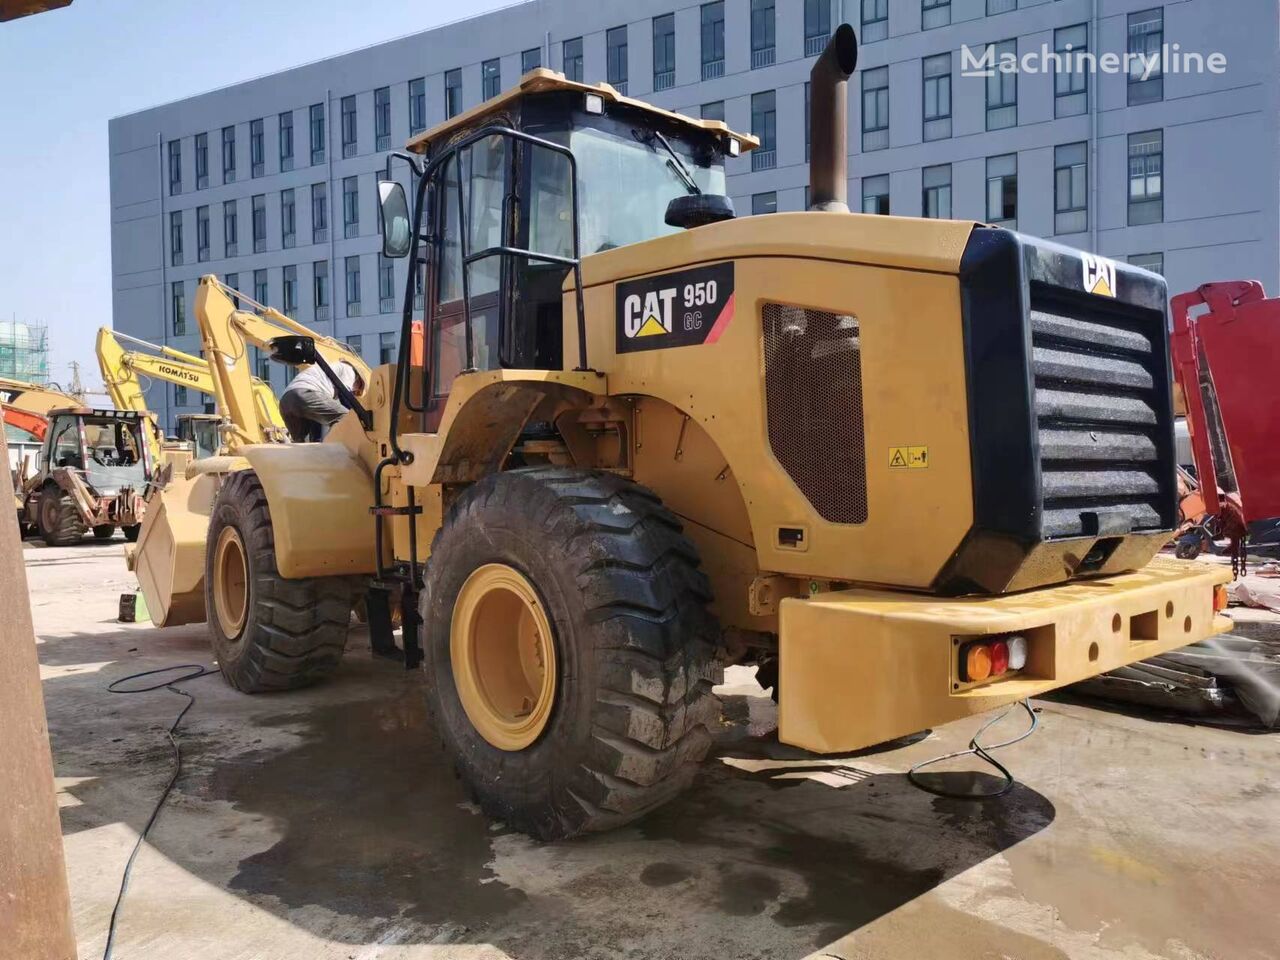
(348, 398)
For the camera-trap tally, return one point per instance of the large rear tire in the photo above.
(602, 707)
(268, 633)
(60, 521)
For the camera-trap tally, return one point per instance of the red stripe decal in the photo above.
(722, 321)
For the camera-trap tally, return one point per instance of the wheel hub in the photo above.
(502, 650)
(231, 582)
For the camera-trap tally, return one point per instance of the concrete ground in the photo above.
(327, 824)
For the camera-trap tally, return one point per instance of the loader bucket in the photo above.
(169, 555)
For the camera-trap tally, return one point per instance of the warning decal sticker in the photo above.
(682, 309)
(909, 458)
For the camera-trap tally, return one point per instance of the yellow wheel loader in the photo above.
(123, 371)
(918, 469)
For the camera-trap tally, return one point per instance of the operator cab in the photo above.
(506, 170)
(108, 447)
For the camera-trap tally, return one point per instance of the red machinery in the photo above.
(1227, 363)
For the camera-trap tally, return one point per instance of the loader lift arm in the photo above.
(227, 333)
(122, 370)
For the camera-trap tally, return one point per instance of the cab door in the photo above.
(474, 184)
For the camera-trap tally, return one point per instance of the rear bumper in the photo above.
(859, 667)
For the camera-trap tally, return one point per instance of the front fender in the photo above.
(319, 496)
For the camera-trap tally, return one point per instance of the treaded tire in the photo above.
(60, 522)
(294, 631)
(131, 533)
(634, 640)
(104, 531)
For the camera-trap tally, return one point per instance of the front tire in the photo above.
(104, 531)
(131, 533)
(268, 632)
(602, 566)
(60, 521)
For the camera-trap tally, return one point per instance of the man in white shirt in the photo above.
(310, 402)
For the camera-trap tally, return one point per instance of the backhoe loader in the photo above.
(123, 371)
(918, 468)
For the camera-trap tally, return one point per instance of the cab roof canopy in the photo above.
(542, 80)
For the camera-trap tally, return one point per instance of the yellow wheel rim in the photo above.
(504, 656)
(231, 581)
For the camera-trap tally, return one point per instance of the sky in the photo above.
(65, 73)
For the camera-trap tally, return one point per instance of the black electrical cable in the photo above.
(982, 752)
(195, 671)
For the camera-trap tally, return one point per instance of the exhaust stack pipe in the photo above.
(828, 122)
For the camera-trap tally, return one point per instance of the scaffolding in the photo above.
(24, 351)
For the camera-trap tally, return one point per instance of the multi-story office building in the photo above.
(270, 183)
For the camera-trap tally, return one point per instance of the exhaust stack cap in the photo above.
(828, 123)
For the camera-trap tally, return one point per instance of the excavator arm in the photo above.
(123, 369)
(227, 334)
(27, 405)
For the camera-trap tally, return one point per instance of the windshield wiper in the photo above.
(675, 163)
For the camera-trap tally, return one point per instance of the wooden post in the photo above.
(35, 907)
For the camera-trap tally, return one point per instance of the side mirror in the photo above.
(294, 351)
(393, 210)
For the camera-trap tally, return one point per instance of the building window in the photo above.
(764, 203)
(230, 229)
(1071, 188)
(937, 96)
(875, 195)
(179, 395)
(664, 51)
(571, 54)
(382, 118)
(1146, 177)
(257, 152)
(259, 223)
(175, 167)
(490, 79)
(349, 134)
(232, 280)
(1149, 261)
(453, 92)
(1002, 87)
(763, 37)
(1002, 190)
(353, 286)
(936, 200)
(319, 212)
(530, 59)
(1000, 6)
(260, 291)
(175, 238)
(351, 207)
(875, 109)
(202, 161)
(817, 26)
(228, 154)
(202, 234)
(386, 285)
(713, 40)
(807, 132)
(417, 105)
(764, 125)
(288, 219)
(713, 110)
(1146, 38)
(289, 299)
(320, 288)
(1071, 81)
(934, 13)
(356, 342)
(178, 308)
(875, 20)
(317, 133)
(386, 348)
(615, 44)
(286, 141)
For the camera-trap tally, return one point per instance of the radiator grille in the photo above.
(813, 396)
(1103, 430)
